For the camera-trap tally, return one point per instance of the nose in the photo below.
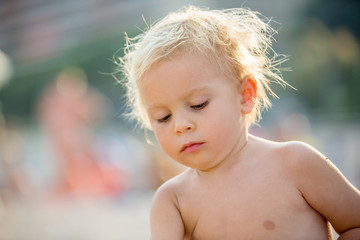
(183, 125)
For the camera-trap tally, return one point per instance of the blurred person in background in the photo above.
(68, 110)
(13, 181)
(199, 79)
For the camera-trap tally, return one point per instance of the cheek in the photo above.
(223, 123)
(223, 115)
(165, 140)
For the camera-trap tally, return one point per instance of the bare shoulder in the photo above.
(165, 216)
(293, 154)
(168, 191)
(321, 183)
(298, 156)
(296, 159)
(297, 149)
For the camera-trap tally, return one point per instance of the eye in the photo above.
(164, 119)
(200, 106)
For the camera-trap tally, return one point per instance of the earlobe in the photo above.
(248, 94)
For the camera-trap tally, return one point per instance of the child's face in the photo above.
(195, 110)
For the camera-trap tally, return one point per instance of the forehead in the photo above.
(188, 68)
(179, 75)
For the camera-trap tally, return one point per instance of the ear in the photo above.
(248, 90)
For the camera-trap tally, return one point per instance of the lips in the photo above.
(191, 147)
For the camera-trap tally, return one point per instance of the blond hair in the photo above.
(237, 39)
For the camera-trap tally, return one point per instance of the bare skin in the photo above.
(257, 198)
(237, 186)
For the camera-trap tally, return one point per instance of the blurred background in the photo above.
(71, 167)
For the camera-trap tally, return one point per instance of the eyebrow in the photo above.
(186, 95)
(195, 90)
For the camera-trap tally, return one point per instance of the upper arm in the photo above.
(165, 219)
(326, 189)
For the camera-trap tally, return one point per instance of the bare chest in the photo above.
(267, 206)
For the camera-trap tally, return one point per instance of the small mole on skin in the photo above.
(269, 225)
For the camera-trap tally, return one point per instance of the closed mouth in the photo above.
(191, 147)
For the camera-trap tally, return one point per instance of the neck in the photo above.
(234, 156)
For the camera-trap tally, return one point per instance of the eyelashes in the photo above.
(200, 106)
(197, 107)
(164, 119)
